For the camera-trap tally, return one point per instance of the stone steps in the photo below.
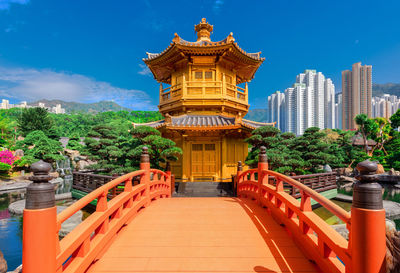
(203, 189)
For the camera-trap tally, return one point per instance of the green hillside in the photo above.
(387, 88)
(70, 107)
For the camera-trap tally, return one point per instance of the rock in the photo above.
(327, 168)
(71, 153)
(82, 164)
(348, 171)
(393, 172)
(71, 222)
(342, 230)
(19, 153)
(346, 179)
(83, 157)
(3, 263)
(19, 206)
(54, 174)
(390, 225)
(392, 251)
(380, 169)
(57, 182)
(392, 209)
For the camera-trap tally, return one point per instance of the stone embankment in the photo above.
(22, 184)
(19, 206)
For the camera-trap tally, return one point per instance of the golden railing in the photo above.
(203, 90)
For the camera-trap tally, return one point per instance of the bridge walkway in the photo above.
(202, 235)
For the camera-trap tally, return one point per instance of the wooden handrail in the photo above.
(86, 242)
(365, 252)
(325, 202)
(84, 201)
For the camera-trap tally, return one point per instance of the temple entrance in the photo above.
(204, 161)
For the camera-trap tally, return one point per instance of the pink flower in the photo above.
(7, 157)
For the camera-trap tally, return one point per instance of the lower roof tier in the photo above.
(204, 122)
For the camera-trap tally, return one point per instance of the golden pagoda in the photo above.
(203, 98)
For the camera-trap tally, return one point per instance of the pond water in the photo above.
(328, 216)
(10, 231)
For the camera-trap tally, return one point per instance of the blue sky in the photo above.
(92, 50)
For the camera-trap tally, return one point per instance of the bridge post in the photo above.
(169, 179)
(262, 165)
(239, 172)
(40, 238)
(145, 165)
(367, 238)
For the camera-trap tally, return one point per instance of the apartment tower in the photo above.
(356, 94)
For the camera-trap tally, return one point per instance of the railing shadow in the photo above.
(257, 214)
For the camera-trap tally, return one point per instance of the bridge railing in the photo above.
(365, 252)
(44, 252)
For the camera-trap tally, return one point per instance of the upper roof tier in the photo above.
(162, 64)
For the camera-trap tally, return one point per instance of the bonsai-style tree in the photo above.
(74, 143)
(35, 119)
(281, 156)
(382, 133)
(313, 150)
(161, 149)
(37, 145)
(366, 127)
(117, 147)
(395, 119)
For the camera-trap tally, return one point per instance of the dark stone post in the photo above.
(40, 194)
(236, 178)
(145, 165)
(367, 233)
(40, 223)
(262, 179)
(170, 179)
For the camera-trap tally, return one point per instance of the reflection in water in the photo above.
(10, 231)
(328, 216)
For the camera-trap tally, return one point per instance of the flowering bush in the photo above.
(7, 157)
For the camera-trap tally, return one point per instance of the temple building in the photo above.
(203, 98)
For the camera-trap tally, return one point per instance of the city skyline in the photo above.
(310, 102)
(356, 94)
(91, 53)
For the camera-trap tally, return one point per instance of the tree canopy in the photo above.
(117, 148)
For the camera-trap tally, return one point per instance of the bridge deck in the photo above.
(203, 235)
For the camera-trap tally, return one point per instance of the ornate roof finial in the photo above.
(203, 30)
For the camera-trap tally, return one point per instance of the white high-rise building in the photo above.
(385, 106)
(5, 104)
(58, 109)
(338, 112)
(276, 111)
(309, 102)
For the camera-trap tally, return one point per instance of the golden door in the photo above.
(204, 159)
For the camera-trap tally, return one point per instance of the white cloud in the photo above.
(33, 84)
(5, 4)
(144, 70)
(217, 6)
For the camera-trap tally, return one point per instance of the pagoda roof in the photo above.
(204, 122)
(161, 64)
(206, 47)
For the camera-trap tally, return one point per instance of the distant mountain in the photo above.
(378, 89)
(387, 88)
(102, 106)
(259, 115)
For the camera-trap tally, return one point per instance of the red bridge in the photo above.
(264, 229)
